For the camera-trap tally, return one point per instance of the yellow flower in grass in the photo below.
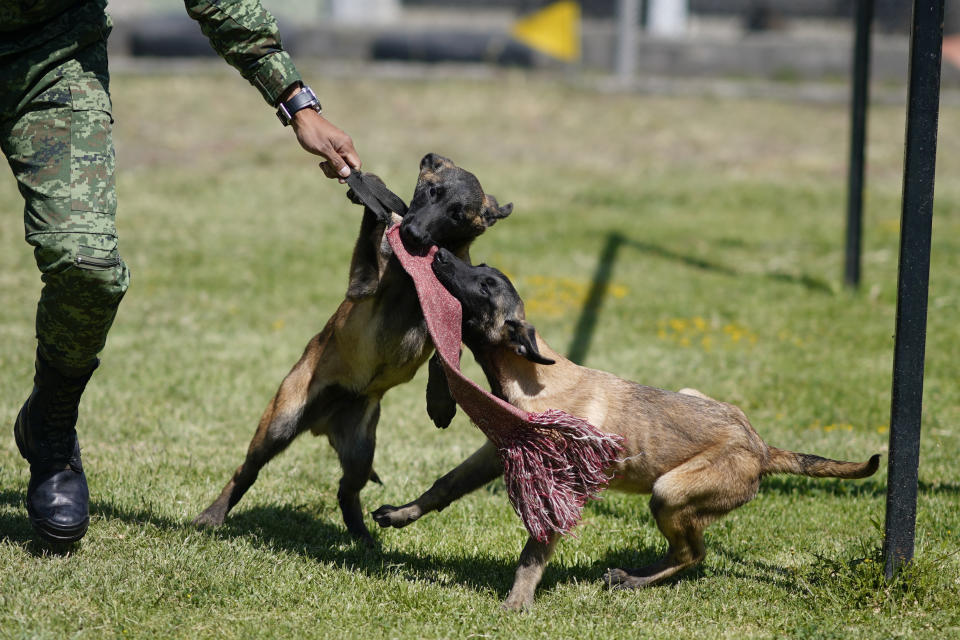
(703, 332)
(551, 296)
(833, 426)
(838, 427)
(618, 291)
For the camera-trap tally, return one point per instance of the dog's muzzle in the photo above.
(414, 237)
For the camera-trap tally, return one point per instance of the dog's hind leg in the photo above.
(353, 434)
(686, 549)
(471, 474)
(533, 560)
(684, 502)
(282, 421)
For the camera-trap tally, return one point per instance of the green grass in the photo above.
(727, 278)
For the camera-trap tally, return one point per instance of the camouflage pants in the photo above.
(56, 132)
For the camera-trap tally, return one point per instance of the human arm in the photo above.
(246, 36)
(321, 137)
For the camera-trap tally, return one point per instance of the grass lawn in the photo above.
(720, 225)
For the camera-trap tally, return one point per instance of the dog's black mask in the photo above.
(493, 314)
(449, 207)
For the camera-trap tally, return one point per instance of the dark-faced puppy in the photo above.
(493, 312)
(376, 340)
(451, 207)
(698, 457)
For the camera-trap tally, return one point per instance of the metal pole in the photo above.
(628, 12)
(926, 43)
(858, 137)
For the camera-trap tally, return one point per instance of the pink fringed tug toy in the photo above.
(553, 462)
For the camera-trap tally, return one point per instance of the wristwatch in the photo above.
(306, 99)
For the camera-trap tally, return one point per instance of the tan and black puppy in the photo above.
(376, 340)
(698, 457)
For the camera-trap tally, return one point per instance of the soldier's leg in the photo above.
(60, 148)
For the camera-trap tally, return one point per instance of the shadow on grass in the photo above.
(872, 487)
(586, 323)
(297, 530)
(806, 281)
(734, 566)
(757, 571)
(804, 486)
(15, 528)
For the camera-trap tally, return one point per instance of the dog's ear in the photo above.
(492, 211)
(523, 339)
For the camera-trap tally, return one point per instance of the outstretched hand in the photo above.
(319, 136)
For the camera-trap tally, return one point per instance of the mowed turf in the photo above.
(676, 241)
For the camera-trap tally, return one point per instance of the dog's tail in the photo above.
(805, 464)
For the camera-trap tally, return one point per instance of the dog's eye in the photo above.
(455, 211)
(484, 289)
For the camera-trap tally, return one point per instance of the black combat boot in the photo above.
(57, 496)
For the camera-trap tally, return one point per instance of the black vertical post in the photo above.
(926, 43)
(858, 137)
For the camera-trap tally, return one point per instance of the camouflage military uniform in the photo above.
(55, 130)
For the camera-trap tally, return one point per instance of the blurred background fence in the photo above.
(781, 40)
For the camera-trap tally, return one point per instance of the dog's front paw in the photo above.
(210, 518)
(614, 577)
(396, 517)
(518, 602)
(619, 579)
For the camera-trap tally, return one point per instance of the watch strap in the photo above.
(305, 99)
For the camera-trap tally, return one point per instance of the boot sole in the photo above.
(53, 533)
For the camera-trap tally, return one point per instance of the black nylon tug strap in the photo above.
(376, 196)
